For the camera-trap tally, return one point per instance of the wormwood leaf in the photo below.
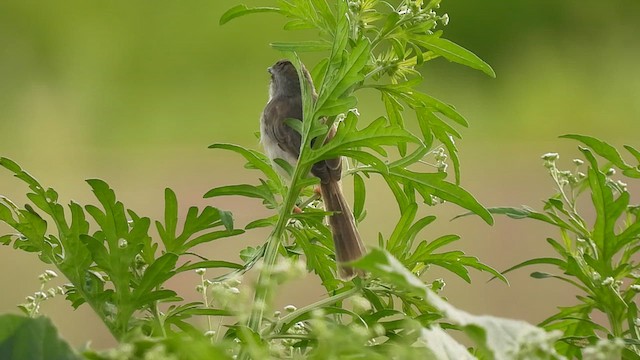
(338, 106)
(359, 196)
(168, 231)
(270, 221)
(255, 160)
(606, 151)
(349, 73)
(394, 113)
(435, 184)
(441, 107)
(495, 338)
(210, 236)
(425, 248)
(23, 338)
(373, 136)
(522, 213)
(242, 10)
(602, 198)
(633, 151)
(208, 264)
(258, 192)
(561, 264)
(445, 134)
(302, 46)
(453, 52)
(156, 274)
(397, 241)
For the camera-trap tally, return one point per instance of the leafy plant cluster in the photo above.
(116, 265)
(599, 257)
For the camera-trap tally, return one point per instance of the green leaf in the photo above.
(561, 264)
(394, 113)
(258, 192)
(633, 151)
(398, 240)
(359, 196)
(168, 232)
(453, 52)
(443, 345)
(255, 159)
(241, 10)
(208, 264)
(601, 148)
(156, 274)
(445, 134)
(337, 106)
(441, 107)
(270, 221)
(375, 135)
(156, 295)
(318, 257)
(442, 189)
(210, 236)
(607, 210)
(302, 46)
(23, 338)
(208, 312)
(349, 74)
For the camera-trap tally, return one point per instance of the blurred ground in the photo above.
(134, 92)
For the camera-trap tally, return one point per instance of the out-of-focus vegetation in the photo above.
(81, 81)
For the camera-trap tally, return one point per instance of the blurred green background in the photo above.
(134, 91)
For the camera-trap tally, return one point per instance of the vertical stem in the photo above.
(616, 325)
(263, 287)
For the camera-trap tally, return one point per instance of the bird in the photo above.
(280, 140)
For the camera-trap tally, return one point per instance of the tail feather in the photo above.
(346, 238)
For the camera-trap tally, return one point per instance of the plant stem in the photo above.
(274, 240)
(316, 305)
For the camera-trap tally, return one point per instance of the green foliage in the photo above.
(596, 257)
(116, 267)
(23, 338)
(114, 264)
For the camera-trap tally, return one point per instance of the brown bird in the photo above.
(281, 141)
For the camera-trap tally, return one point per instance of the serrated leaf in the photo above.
(397, 241)
(156, 274)
(156, 295)
(208, 312)
(633, 151)
(302, 46)
(241, 10)
(210, 236)
(270, 221)
(561, 264)
(359, 196)
(23, 338)
(350, 68)
(257, 192)
(394, 113)
(209, 264)
(254, 158)
(442, 189)
(375, 135)
(601, 148)
(168, 232)
(453, 52)
(337, 106)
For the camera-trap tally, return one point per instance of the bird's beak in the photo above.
(269, 70)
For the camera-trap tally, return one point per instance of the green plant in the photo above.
(115, 266)
(596, 257)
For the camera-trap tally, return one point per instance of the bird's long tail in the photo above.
(346, 238)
